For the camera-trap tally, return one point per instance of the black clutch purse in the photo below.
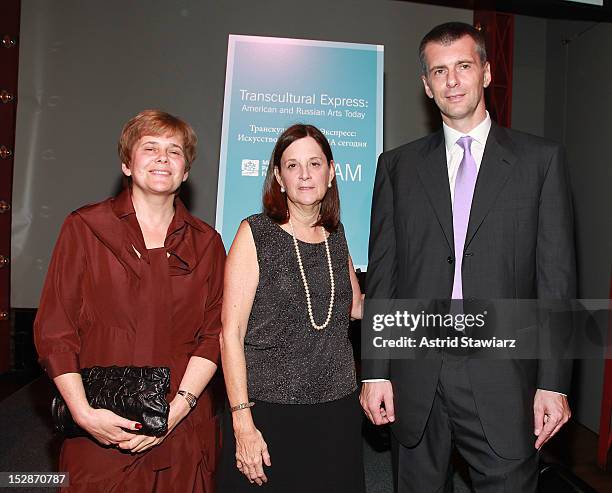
(132, 392)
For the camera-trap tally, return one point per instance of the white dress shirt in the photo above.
(454, 151)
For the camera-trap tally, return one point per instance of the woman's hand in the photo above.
(104, 425)
(141, 443)
(251, 451)
(107, 427)
(179, 408)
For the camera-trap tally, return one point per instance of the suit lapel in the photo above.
(494, 171)
(433, 172)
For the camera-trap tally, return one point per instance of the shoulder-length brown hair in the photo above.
(275, 202)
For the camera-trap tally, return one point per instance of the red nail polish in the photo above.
(138, 426)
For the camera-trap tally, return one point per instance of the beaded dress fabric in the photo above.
(288, 360)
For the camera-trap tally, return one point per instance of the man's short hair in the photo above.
(448, 33)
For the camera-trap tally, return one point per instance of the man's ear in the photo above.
(426, 86)
(487, 74)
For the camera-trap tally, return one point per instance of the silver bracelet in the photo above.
(243, 405)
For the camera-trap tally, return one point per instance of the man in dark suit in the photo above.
(473, 211)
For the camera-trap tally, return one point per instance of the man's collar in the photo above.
(479, 133)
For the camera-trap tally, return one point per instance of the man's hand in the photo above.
(550, 411)
(376, 399)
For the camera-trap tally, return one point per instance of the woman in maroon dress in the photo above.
(137, 280)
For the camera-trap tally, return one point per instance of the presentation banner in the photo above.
(272, 83)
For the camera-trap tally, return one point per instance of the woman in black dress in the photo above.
(290, 291)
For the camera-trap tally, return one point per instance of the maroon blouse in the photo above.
(103, 305)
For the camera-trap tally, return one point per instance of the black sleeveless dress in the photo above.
(301, 379)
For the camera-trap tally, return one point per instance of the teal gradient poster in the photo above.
(272, 83)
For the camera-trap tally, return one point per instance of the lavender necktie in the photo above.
(462, 203)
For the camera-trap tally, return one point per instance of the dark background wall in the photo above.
(529, 74)
(562, 76)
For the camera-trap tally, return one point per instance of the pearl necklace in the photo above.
(331, 277)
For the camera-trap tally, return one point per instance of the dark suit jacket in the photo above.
(519, 243)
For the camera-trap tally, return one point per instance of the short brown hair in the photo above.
(448, 33)
(156, 123)
(275, 202)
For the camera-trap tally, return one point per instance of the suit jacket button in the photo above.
(450, 260)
